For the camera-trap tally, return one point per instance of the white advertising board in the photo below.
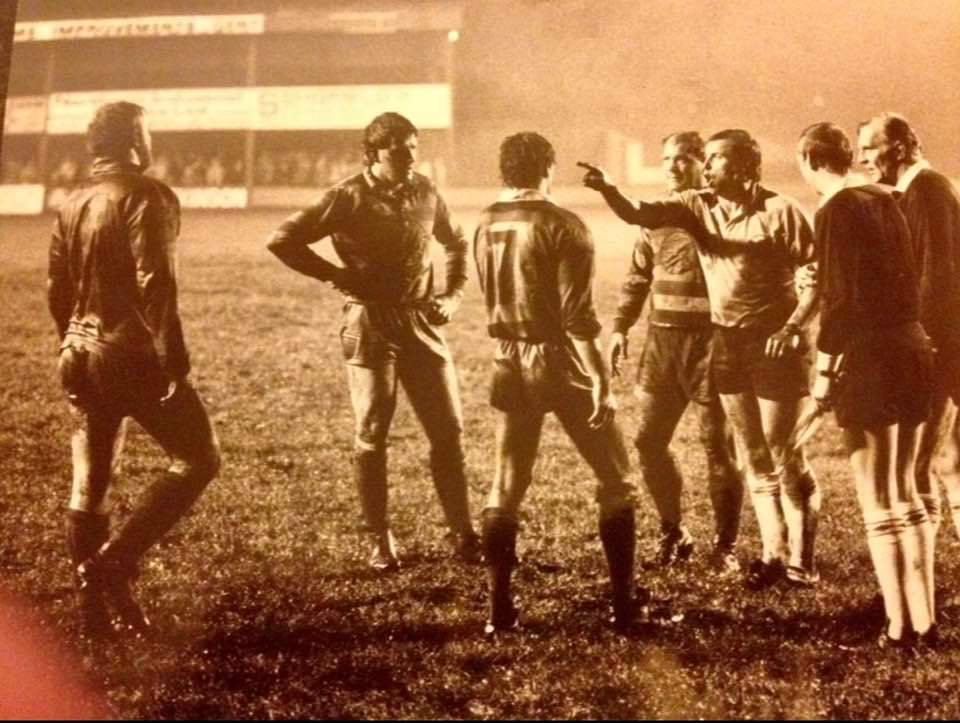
(143, 27)
(21, 199)
(324, 107)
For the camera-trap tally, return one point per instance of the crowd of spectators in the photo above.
(19, 168)
(192, 169)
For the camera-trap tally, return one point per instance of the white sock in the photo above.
(931, 503)
(916, 548)
(883, 533)
(765, 495)
(801, 511)
(953, 499)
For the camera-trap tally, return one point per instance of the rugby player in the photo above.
(890, 152)
(382, 221)
(874, 367)
(751, 242)
(535, 264)
(112, 291)
(674, 369)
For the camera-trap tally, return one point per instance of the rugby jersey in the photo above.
(868, 279)
(749, 256)
(535, 264)
(383, 236)
(932, 207)
(665, 266)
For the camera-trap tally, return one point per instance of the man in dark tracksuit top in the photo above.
(675, 369)
(382, 222)
(113, 295)
(535, 264)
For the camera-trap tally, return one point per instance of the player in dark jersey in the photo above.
(382, 222)
(675, 370)
(535, 263)
(112, 291)
(891, 153)
(869, 329)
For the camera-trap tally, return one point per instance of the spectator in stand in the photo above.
(194, 171)
(28, 172)
(216, 173)
(160, 168)
(66, 173)
(236, 171)
(320, 170)
(265, 170)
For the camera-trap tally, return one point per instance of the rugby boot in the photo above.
(504, 619)
(723, 561)
(466, 546)
(384, 555)
(674, 547)
(86, 532)
(114, 581)
(761, 575)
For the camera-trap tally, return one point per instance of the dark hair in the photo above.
(525, 159)
(746, 151)
(382, 131)
(690, 139)
(112, 132)
(897, 129)
(826, 145)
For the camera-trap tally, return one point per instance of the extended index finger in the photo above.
(588, 166)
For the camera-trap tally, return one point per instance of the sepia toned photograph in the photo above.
(479, 359)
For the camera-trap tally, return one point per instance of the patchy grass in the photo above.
(264, 603)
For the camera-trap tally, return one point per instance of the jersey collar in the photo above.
(903, 183)
(508, 195)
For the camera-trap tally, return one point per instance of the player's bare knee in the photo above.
(651, 448)
(613, 497)
(758, 460)
(200, 470)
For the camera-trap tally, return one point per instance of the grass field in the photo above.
(262, 598)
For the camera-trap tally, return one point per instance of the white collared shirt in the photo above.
(851, 180)
(903, 183)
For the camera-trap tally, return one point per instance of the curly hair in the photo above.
(113, 131)
(383, 130)
(525, 159)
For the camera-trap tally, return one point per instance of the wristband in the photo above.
(829, 365)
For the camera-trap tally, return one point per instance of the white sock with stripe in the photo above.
(883, 535)
(916, 548)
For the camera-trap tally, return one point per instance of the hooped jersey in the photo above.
(664, 266)
(535, 264)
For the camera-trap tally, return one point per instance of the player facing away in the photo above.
(874, 367)
(535, 264)
(112, 291)
(891, 153)
(382, 222)
(674, 370)
(751, 243)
